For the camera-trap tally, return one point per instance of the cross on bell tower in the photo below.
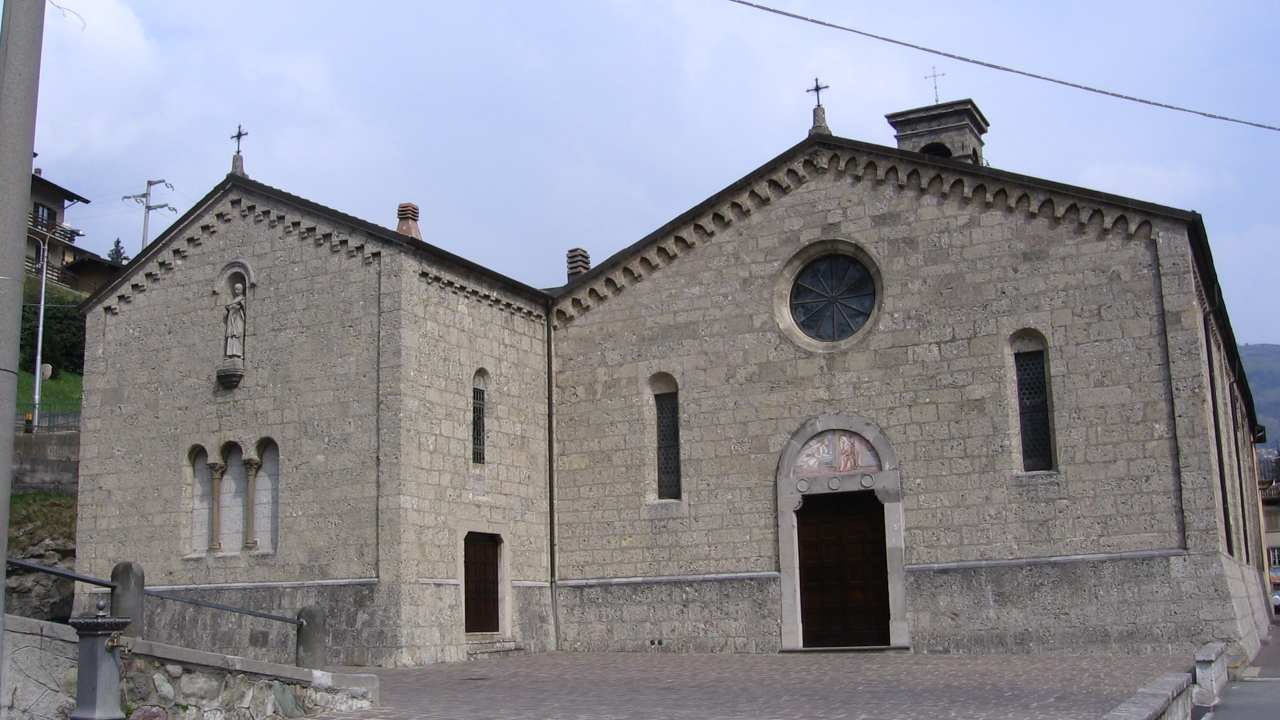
(819, 112)
(237, 160)
(934, 77)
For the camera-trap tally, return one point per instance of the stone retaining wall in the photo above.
(41, 670)
(46, 461)
(164, 682)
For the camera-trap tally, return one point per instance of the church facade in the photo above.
(863, 397)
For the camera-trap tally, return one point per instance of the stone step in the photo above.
(485, 649)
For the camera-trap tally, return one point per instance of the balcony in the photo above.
(59, 237)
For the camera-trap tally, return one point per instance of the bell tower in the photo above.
(951, 130)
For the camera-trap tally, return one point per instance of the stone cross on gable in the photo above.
(817, 91)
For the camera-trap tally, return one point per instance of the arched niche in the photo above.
(837, 454)
(238, 267)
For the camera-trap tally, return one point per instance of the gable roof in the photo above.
(53, 187)
(981, 175)
(1201, 254)
(385, 235)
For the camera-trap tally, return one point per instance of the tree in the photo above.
(116, 254)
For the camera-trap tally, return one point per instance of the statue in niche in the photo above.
(234, 321)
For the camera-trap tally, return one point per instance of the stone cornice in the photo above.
(231, 208)
(908, 172)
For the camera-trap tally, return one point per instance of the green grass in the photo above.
(35, 516)
(60, 393)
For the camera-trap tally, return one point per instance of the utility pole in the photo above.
(144, 199)
(39, 373)
(21, 36)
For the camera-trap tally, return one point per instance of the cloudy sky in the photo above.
(526, 128)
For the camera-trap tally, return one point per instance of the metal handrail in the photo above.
(153, 593)
(220, 606)
(62, 573)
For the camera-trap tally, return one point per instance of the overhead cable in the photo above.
(1005, 68)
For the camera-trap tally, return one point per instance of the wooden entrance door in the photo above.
(480, 578)
(844, 586)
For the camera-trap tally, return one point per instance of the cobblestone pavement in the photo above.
(618, 686)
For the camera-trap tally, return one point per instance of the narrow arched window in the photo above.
(666, 402)
(232, 499)
(478, 385)
(1031, 372)
(266, 499)
(201, 498)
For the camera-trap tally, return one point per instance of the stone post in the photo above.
(126, 598)
(98, 673)
(251, 468)
(216, 471)
(311, 638)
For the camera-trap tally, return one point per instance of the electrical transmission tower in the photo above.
(144, 199)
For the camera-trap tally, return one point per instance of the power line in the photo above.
(1004, 68)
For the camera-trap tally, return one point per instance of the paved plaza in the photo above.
(882, 686)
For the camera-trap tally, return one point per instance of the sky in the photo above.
(522, 129)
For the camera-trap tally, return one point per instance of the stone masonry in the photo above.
(363, 349)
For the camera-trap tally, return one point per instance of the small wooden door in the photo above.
(844, 585)
(480, 568)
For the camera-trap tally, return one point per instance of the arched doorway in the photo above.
(840, 537)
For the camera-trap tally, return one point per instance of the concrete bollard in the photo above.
(311, 638)
(98, 674)
(126, 598)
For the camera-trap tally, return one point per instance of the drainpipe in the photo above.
(551, 483)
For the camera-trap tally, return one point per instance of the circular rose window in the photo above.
(832, 297)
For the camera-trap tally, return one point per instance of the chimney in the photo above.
(407, 214)
(37, 171)
(578, 262)
(949, 130)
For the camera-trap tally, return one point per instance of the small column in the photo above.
(216, 471)
(251, 468)
(310, 650)
(126, 597)
(98, 674)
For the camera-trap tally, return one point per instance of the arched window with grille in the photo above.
(1034, 398)
(479, 384)
(666, 402)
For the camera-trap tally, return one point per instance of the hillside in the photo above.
(1262, 363)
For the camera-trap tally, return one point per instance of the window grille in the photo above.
(1033, 411)
(1273, 554)
(668, 407)
(477, 426)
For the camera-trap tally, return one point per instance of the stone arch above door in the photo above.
(839, 453)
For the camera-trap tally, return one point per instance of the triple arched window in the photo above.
(235, 498)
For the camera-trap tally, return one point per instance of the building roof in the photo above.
(233, 181)
(1195, 223)
(50, 186)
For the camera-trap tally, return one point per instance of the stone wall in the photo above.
(1149, 605)
(962, 263)
(162, 682)
(46, 461)
(317, 355)
(355, 616)
(709, 615)
(41, 659)
(457, 324)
